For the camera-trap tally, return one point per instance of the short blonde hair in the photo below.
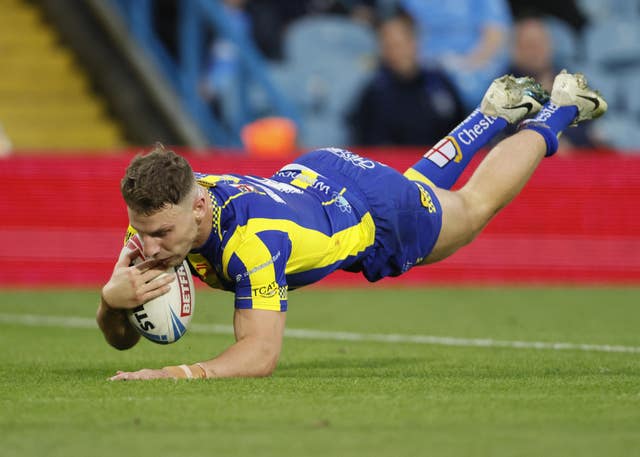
(155, 180)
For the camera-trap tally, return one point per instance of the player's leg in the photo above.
(508, 166)
(508, 100)
(498, 179)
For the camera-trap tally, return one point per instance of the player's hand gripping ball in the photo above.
(166, 318)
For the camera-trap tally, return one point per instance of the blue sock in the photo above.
(550, 122)
(443, 164)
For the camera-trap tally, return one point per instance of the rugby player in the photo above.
(330, 209)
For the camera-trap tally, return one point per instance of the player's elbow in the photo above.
(267, 361)
(121, 344)
(265, 371)
(119, 338)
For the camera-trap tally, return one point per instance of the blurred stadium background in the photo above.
(84, 85)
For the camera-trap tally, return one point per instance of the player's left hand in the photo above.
(140, 375)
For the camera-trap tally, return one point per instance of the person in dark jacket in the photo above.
(404, 103)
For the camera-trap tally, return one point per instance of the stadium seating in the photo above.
(328, 60)
(565, 42)
(327, 36)
(599, 10)
(622, 130)
(630, 82)
(612, 62)
(45, 99)
(613, 43)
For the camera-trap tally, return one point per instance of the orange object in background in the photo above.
(270, 137)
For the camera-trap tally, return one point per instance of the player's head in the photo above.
(532, 48)
(164, 203)
(398, 44)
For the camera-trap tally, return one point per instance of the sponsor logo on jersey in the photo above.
(425, 199)
(288, 173)
(271, 261)
(322, 187)
(204, 270)
(279, 186)
(257, 188)
(244, 188)
(270, 290)
(355, 159)
(467, 135)
(342, 203)
(444, 152)
(304, 180)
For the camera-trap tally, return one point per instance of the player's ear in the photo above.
(200, 203)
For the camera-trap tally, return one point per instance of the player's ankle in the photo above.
(550, 137)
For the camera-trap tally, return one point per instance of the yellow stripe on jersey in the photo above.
(415, 175)
(311, 249)
(130, 232)
(305, 179)
(212, 180)
(204, 269)
(264, 286)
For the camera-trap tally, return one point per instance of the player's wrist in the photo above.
(195, 371)
(108, 307)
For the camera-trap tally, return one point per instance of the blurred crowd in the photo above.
(405, 72)
(432, 63)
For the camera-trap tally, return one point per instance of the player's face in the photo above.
(532, 46)
(398, 47)
(168, 234)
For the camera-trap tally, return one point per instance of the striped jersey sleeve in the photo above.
(257, 265)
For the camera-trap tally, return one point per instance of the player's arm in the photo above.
(255, 353)
(257, 349)
(259, 319)
(128, 287)
(258, 266)
(115, 327)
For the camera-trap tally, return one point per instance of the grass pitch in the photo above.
(335, 397)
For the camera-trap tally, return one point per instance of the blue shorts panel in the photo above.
(407, 214)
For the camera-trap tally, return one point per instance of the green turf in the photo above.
(337, 398)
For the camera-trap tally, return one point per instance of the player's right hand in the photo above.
(132, 285)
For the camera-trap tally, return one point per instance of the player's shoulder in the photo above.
(213, 180)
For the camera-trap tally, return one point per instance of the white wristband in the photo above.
(187, 371)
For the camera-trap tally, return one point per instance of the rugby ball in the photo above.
(164, 319)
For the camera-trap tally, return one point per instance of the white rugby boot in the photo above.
(572, 89)
(513, 98)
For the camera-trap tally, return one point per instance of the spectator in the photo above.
(566, 10)
(466, 37)
(223, 68)
(532, 55)
(404, 104)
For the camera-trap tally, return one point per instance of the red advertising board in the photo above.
(576, 222)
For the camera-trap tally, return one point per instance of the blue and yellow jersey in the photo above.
(330, 209)
(272, 234)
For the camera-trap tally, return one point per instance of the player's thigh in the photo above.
(457, 227)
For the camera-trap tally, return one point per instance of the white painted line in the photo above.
(34, 320)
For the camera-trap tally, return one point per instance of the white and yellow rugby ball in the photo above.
(165, 319)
